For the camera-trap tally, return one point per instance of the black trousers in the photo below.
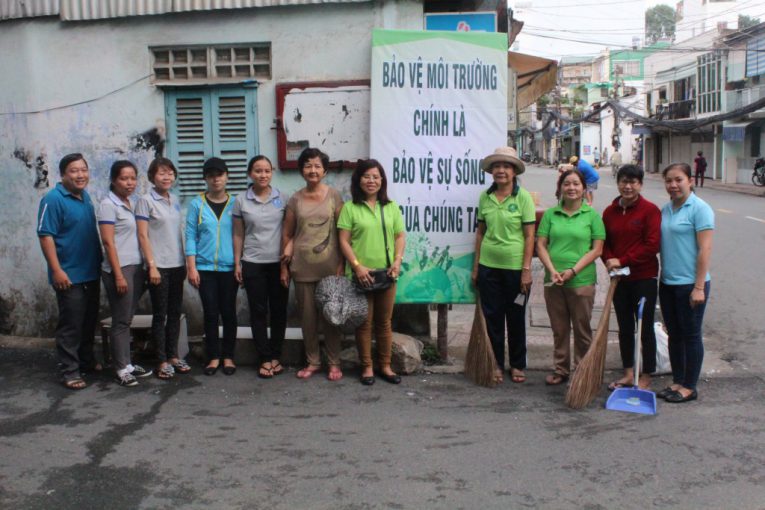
(166, 303)
(626, 298)
(498, 289)
(77, 319)
(217, 290)
(267, 299)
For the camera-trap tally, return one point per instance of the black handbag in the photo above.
(382, 280)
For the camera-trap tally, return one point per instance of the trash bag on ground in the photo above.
(662, 350)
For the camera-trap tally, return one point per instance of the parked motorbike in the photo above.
(758, 175)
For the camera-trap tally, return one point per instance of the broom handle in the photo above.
(638, 339)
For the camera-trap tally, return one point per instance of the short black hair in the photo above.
(255, 159)
(361, 168)
(116, 170)
(310, 153)
(630, 172)
(68, 160)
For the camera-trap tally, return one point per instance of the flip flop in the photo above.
(517, 378)
(74, 384)
(277, 368)
(555, 379)
(616, 385)
(269, 371)
(307, 372)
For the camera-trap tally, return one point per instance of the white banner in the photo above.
(439, 105)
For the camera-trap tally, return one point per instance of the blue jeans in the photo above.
(686, 347)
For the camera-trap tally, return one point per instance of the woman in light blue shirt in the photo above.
(687, 224)
(210, 264)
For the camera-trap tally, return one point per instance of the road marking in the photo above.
(727, 211)
(755, 219)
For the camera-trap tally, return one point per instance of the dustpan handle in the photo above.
(638, 339)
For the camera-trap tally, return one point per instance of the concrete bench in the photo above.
(141, 326)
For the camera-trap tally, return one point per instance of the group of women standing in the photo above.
(570, 237)
(260, 240)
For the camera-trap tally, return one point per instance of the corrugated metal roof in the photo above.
(13, 9)
(82, 10)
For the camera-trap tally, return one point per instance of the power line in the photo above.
(84, 101)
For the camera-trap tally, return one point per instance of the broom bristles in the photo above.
(480, 365)
(588, 376)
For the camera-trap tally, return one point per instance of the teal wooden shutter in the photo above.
(202, 123)
(189, 135)
(233, 132)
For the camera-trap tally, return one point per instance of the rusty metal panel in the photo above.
(13, 9)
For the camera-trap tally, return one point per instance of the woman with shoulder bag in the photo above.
(372, 237)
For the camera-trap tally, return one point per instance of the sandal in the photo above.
(499, 378)
(277, 368)
(517, 376)
(307, 372)
(166, 372)
(618, 384)
(266, 372)
(74, 384)
(334, 373)
(555, 379)
(181, 367)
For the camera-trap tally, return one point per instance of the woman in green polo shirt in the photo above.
(569, 239)
(504, 245)
(364, 246)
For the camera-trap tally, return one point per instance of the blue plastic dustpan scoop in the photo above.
(634, 400)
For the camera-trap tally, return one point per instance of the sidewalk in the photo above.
(748, 189)
(539, 339)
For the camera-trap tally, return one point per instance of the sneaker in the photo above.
(126, 379)
(139, 371)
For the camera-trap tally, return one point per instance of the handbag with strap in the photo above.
(382, 280)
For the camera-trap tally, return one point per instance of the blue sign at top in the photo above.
(462, 21)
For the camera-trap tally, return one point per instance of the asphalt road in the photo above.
(435, 441)
(432, 442)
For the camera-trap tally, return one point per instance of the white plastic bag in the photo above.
(662, 350)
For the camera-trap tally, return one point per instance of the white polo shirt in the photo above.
(165, 234)
(262, 225)
(112, 211)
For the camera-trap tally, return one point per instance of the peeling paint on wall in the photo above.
(150, 140)
(40, 166)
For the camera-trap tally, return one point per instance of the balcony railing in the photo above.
(739, 98)
(676, 110)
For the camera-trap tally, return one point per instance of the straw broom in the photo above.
(480, 365)
(588, 376)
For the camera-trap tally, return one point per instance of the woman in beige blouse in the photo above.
(311, 252)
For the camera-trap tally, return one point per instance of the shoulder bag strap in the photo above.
(385, 234)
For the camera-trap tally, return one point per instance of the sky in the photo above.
(559, 28)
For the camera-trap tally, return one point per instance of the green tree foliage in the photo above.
(659, 23)
(745, 21)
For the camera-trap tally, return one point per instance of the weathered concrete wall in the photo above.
(104, 65)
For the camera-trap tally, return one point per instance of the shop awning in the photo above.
(735, 132)
(640, 129)
(536, 76)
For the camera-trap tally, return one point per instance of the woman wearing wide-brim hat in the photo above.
(504, 246)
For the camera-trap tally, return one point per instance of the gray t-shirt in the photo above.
(112, 211)
(164, 218)
(262, 225)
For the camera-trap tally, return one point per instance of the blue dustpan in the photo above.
(634, 400)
